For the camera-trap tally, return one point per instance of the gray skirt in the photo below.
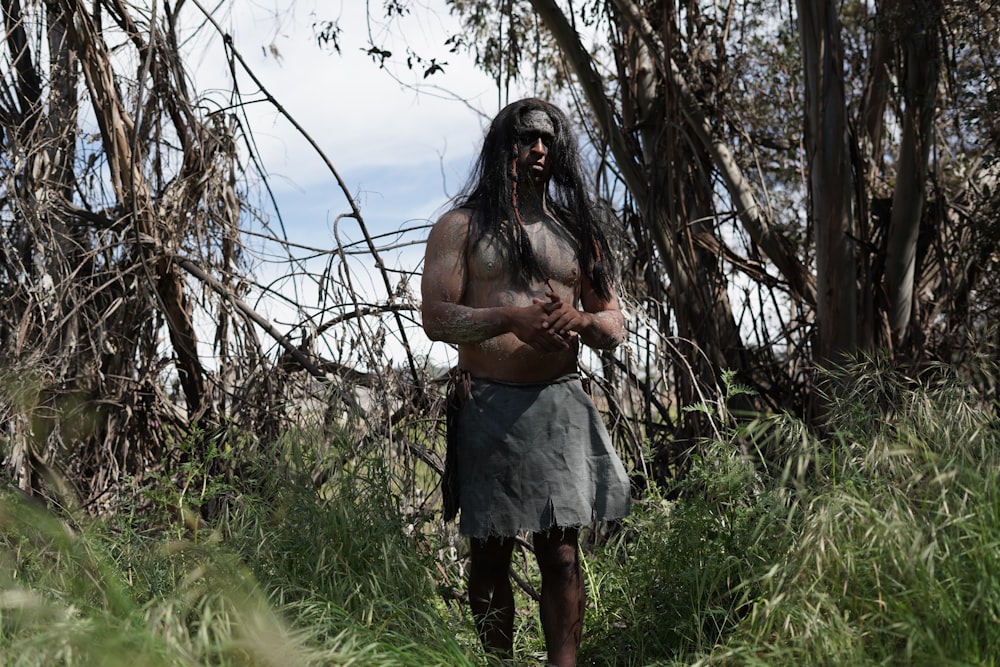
(534, 457)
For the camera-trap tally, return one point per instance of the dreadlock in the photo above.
(492, 193)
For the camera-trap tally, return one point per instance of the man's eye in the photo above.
(532, 138)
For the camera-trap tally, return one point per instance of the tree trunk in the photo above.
(920, 79)
(702, 305)
(831, 181)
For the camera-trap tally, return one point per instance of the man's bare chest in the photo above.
(554, 249)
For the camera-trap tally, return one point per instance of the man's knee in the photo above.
(557, 554)
(491, 557)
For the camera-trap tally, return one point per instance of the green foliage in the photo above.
(896, 525)
(290, 573)
(876, 543)
(189, 486)
(720, 410)
(62, 600)
(676, 577)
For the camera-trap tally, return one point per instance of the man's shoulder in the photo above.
(459, 213)
(451, 231)
(457, 219)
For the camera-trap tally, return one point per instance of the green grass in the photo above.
(877, 543)
(289, 574)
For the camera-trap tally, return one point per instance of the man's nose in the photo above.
(539, 146)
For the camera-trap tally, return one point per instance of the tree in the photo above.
(699, 109)
(831, 181)
(127, 220)
(791, 186)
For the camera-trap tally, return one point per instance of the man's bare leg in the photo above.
(563, 596)
(490, 594)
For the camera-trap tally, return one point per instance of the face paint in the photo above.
(535, 135)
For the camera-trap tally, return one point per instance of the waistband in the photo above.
(562, 379)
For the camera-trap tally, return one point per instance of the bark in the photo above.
(593, 90)
(57, 181)
(921, 60)
(114, 245)
(877, 89)
(704, 316)
(831, 183)
(751, 214)
(27, 78)
(873, 330)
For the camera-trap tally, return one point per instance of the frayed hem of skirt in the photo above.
(492, 531)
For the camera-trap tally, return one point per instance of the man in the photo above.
(517, 275)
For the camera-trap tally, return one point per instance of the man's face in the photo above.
(534, 140)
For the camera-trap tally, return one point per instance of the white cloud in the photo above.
(356, 112)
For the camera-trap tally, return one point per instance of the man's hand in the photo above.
(562, 319)
(532, 325)
(599, 326)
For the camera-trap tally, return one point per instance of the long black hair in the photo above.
(491, 192)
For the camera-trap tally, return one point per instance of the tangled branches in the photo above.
(125, 221)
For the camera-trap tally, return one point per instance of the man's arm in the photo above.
(443, 284)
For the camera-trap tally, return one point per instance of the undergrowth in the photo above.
(875, 542)
(288, 573)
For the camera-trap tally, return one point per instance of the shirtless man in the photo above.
(517, 275)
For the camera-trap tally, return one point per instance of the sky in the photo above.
(401, 152)
(402, 144)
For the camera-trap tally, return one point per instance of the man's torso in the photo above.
(490, 282)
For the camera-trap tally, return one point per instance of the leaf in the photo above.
(328, 34)
(434, 68)
(379, 55)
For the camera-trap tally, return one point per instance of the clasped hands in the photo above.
(550, 326)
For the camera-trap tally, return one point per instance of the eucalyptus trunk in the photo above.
(919, 79)
(667, 180)
(831, 181)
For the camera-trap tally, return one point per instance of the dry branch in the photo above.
(137, 240)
